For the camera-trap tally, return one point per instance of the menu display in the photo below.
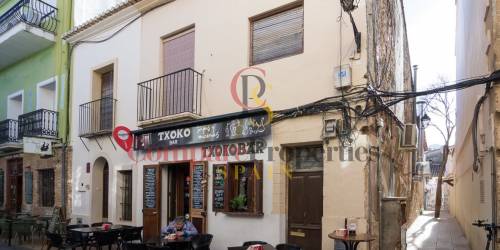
(150, 188)
(198, 194)
(218, 186)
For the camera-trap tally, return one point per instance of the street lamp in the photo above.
(426, 120)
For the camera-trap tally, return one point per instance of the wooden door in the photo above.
(152, 205)
(14, 185)
(305, 209)
(107, 103)
(105, 191)
(198, 194)
(178, 55)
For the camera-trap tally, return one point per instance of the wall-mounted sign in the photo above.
(40, 146)
(250, 127)
(233, 149)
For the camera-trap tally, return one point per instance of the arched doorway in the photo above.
(100, 191)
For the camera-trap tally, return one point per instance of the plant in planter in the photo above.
(238, 203)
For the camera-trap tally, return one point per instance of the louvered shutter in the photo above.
(278, 36)
(28, 187)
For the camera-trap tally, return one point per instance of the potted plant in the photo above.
(238, 203)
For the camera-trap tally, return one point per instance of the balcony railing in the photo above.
(8, 131)
(39, 123)
(36, 13)
(97, 117)
(175, 93)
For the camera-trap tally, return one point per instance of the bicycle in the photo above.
(491, 228)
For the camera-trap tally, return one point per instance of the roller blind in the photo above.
(278, 36)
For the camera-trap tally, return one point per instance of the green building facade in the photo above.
(34, 105)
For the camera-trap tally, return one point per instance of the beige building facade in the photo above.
(474, 195)
(229, 112)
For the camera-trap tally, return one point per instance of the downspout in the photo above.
(494, 194)
(380, 126)
(66, 132)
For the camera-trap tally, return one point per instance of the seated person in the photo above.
(180, 227)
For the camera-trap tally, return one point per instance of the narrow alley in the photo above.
(427, 233)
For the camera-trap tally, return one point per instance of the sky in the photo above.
(431, 37)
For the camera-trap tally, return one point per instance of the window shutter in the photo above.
(278, 36)
(257, 187)
(28, 188)
(2, 186)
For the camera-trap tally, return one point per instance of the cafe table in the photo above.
(180, 243)
(351, 242)
(90, 230)
(266, 247)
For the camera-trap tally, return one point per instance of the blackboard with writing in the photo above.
(150, 188)
(219, 183)
(197, 184)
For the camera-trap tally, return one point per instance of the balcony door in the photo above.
(15, 105)
(46, 95)
(178, 55)
(106, 118)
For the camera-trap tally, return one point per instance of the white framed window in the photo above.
(46, 94)
(15, 105)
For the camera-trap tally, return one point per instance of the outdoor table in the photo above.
(91, 230)
(351, 241)
(179, 243)
(266, 247)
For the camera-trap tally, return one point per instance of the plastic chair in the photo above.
(202, 242)
(23, 229)
(134, 246)
(76, 237)
(132, 234)
(288, 247)
(4, 228)
(105, 238)
(255, 242)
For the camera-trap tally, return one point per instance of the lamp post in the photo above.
(423, 122)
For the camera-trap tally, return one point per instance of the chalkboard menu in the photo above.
(218, 187)
(197, 182)
(150, 188)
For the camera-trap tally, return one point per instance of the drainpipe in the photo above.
(380, 126)
(493, 194)
(63, 179)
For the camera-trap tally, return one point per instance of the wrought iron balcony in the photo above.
(39, 123)
(36, 13)
(8, 131)
(169, 95)
(97, 117)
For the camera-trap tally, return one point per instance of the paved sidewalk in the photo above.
(427, 233)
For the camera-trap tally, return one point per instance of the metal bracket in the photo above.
(98, 144)
(88, 150)
(112, 143)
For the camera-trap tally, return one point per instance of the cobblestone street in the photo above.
(427, 233)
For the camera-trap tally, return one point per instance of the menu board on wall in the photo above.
(219, 179)
(197, 182)
(150, 188)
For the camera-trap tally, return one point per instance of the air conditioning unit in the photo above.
(408, 138)
(343, 76)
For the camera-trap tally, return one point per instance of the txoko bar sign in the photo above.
(235, 129)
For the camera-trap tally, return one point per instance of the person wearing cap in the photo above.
(180, 227)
